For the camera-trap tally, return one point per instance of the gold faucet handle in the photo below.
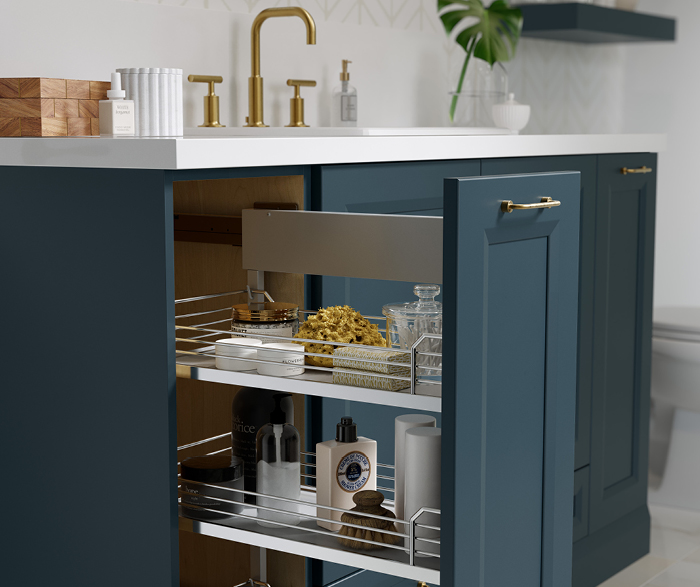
(211, 100)
(296, 104)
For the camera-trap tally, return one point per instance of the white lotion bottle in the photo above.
(344, 101)
(344, 466)
(116, 113)
(278, 454)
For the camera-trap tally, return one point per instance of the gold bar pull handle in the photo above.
(642, 169)
(508, 206)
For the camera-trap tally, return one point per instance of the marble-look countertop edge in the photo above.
(193, 152)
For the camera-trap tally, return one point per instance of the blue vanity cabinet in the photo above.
(624, 262)
(611, 521)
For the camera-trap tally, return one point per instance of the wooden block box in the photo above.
(46, 107)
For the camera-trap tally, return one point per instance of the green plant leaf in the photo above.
(496, 29)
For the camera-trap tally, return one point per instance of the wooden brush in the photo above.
(368, 502)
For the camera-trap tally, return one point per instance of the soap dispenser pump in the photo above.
(344, 101)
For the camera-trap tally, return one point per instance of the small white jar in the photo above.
(290, 363)
(241, 348)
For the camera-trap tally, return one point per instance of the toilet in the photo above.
(674, 441)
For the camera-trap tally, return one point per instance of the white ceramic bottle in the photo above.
(344, 101)
(344, 466)
(116, 113)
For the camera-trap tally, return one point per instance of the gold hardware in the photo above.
(642, 169)
(211, 100)
(344, 75)
(296, 104)
(255, 81)
(508, 206)
(183, 372)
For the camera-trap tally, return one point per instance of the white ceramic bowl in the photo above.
(511, 115)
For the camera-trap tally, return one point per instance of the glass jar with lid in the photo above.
(407, 322)
(271, 318)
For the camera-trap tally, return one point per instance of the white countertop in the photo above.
(197, 152)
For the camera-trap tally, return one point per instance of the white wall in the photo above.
(402, 64)
(662, 86)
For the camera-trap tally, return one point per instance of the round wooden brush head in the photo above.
(368, 502)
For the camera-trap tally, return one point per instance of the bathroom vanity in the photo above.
(548, 345)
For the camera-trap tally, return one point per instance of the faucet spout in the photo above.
(255, 85)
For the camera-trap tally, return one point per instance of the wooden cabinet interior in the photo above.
(204, 409)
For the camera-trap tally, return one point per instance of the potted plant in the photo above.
(490, 34)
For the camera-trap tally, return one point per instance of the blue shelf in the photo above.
(586, 23)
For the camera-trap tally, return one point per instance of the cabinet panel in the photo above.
(624, 251)
(586, 165)
(91, 257)
(511, 286)
(581, 491)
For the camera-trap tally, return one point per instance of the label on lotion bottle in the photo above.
(353, 471)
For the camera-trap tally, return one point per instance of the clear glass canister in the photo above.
(273, 318)
(405, 323)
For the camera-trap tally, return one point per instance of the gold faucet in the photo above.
(255, 82)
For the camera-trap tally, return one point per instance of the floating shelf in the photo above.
(310, 383)
(587, 23)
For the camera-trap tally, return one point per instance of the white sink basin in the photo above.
(234, 131)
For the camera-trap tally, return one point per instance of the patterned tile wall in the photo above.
(572, 88)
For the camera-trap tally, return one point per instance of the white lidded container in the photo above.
(231, 351)
(407, 322)
(290, 357)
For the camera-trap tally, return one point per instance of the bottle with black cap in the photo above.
(344, 466)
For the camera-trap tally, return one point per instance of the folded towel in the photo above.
(351, 358)
(369, 379)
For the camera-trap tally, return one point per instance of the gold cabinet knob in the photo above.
(211, 100)
(296, 104)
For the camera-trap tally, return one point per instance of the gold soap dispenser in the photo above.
(344, 101)
(211, 100)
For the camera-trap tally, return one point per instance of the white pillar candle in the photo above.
(172, 109)
(423, 449)
(142, 106)
(179, 127)
(401, 425)
(133, 74)
(163, 88)
(153, 103)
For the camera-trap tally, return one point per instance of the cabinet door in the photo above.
(509, 381)
(586, 165)
(391, 188)
(624, 251)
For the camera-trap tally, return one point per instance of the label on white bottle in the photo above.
(348, 108)
(353, 471)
